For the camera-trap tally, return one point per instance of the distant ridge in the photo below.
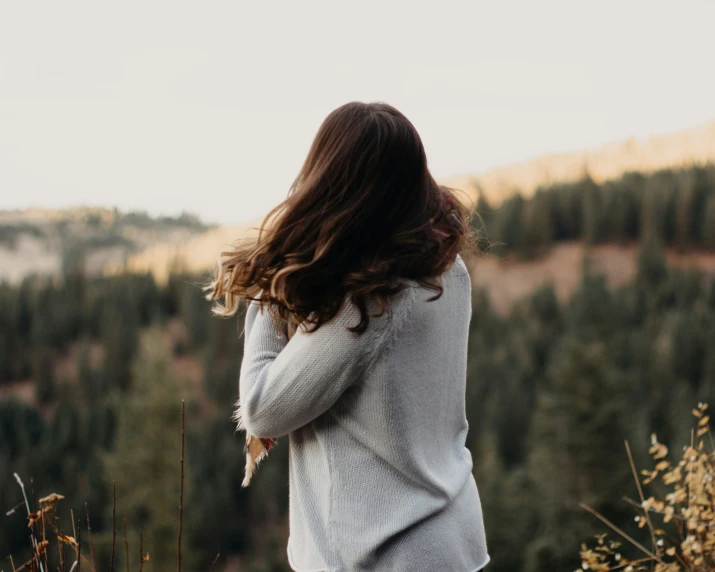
(197, 254)
(610, 161)
(29, 241)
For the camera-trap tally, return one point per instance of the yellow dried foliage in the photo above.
(687, 511)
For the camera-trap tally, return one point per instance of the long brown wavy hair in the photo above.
(363, 212)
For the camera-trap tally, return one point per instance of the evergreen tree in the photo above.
(592, 201)
(11, 343)
(120, 336)
(506, 229)
(651, 263)
(568, 211)
(195, 312)
(538, 224)
(576, 451)
(686, 213)
(145, 459)
(44, 375)
(707, 233)
(22, 431)
(222, 354)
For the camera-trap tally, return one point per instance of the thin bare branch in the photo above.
(64, 557)
(114, 523)
(74, 531)
(640, 494)
(619, 531)
(126, 545)
(44, 552)
(141, 550)
(181, 485)
(89, 534)
(27, 505)
(78, 563)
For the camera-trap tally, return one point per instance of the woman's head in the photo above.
(363, 212)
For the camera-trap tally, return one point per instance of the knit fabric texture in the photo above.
(379, 475)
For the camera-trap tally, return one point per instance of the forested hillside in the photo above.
(93, 371)
(676, 206)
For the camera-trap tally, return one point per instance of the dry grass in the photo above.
(46, 530)
(681, 526)
(45, 527)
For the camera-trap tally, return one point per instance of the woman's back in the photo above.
(382, 480)
(374, 405)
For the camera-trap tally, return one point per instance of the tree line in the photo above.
(675, 206)
(554, 388)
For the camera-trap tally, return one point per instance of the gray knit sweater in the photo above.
(379, 475)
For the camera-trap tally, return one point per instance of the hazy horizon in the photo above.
(168, 107)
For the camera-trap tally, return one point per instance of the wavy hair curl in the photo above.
(363, 213)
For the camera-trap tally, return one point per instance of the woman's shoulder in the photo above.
(459, 266)
(398, 304)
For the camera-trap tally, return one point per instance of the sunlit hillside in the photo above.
(682, 148)
(45, 241)
(195, 254)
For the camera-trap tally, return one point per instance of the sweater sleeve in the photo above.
(285, 384)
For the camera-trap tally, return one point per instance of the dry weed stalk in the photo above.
(47, 513)
(687, 512)
(181, 487)
(126, 545)
(89, 534)
(114, 524)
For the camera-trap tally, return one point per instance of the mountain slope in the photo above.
(610, 161)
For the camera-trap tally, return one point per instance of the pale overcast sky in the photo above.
(210, 107)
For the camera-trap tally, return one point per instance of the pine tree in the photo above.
(221, 361)
(707, 234)
(686, 212)
(652, 267)
(568, 211)
(576, 449)
(538, 223)
(44, 375)
(507, 228)
(592, 201)
(120, 331)
(145, 459)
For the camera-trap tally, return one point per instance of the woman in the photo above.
(350, 353)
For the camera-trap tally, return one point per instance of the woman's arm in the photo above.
(284, 385)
